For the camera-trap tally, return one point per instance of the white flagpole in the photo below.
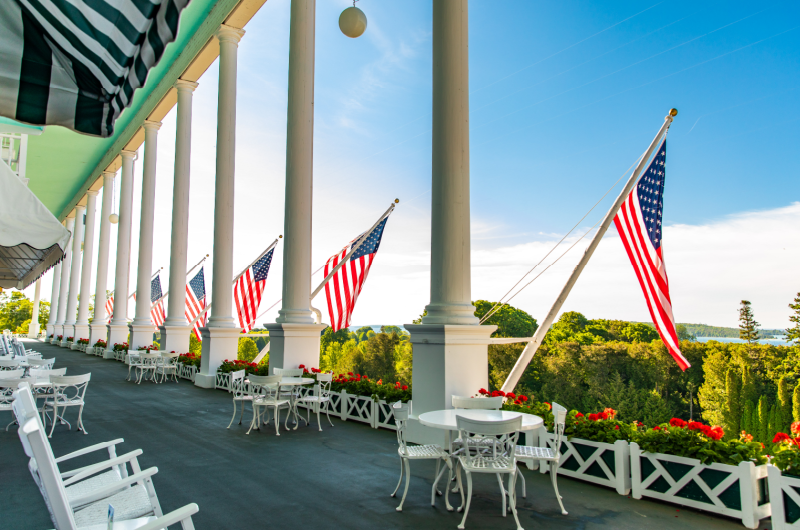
(163, 296)
(151, 279)
(534, 342)
(204, 311)
(355, 247)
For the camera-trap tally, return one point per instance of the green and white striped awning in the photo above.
(77, 63)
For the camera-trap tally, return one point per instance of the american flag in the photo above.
(196, 302)
(248, 290)
(343, 288)
(110, 306)
(639, 225)
(157, 314)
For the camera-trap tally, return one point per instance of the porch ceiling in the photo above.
(62, 164)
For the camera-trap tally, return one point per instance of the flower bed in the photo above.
(101, 344)
(70, 339)
(784, 480)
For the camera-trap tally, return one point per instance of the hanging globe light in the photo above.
(113, 218)
(353, 21)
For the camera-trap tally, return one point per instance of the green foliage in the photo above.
(702, 330)
(363, 386)
(684, 333)
(606, 431)
(247, 350)
(733, 410)
(376, 356)
(574, 327)
(786, 456)
(329, 337)
(16, 309)
(339, 357)
(748, 327)
(793, 332)
(510, 321)
(689, 443)
(785, 401)
(24, 327)
(249, 368)
(763, 419)
(195, 346)
(796, 403)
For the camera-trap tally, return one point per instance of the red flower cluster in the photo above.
(677, 422)
(607, 414)
(715, 433)
(781, 437)
(350, 378)
(100, 343)
(796, 427)
(510, 396)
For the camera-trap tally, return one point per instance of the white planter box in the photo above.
(596, 462)
(736, 491)
(223, 381)
(383, 417)
(186, 372)
(357, 408)
(784, 495)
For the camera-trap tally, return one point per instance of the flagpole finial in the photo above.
(280, 236)
(673, 112)
(397, 201)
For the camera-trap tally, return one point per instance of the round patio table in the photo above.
(294, 382)
(446, 420)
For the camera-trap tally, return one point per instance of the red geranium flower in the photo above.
(781, 437)
(579, 415)
(483, 392)
(616, 427)
(523, 398)
(796, 427)
(593, 417)
(302, 366)
(405, 387)
(695, 426)
(549, 406)
(511, 395)
(656, 428)
(603, 415)
(677, 422)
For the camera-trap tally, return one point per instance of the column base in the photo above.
(49, 329)
(448, 360)
(33, 330)
(97, 331)
(80, 331)
(219, 344)
(174, 338)
(58, 329)
(117, 334)
(141, 334)
(294, 344)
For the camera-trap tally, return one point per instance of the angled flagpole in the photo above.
(355, 247)
(151, 279)
(204, 311)
(534, 342)
(163, 296)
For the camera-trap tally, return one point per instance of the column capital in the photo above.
(109, 173)
(92, 193)
(128, 154)
(186, 86)
(79, 207)
(151, 125)
(229, 34)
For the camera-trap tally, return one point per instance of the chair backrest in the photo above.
(490, 403)
(12, 374)
(504, 434)
(9, 364)
(42, 463)
(7, 389)
(289, 372)
(323, 386)
(42, 363)
(149, 358)
(400, 413)
(43, 376)
(268, 385)
(237, 383)
(70, 388)
(560, 418)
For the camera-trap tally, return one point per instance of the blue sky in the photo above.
(564, 97)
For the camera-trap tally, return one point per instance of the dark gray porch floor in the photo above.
(338, 478)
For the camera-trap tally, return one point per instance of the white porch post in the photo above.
(81, 328)
(221, 337)
(51, 320)
(74, 278)
(118, 328)
(142, 327)
(63, 289)
(175, 331)
(98, 330)
(450, 348)
(294, 338)
(33, 329)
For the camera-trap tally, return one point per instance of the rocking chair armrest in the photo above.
(182, 515)
(109, 490)
(87, 450)
(88, 471)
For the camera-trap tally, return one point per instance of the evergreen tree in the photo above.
(796, 403)
(793, 333)
(747, 413)
(733, 393)
(749, 393)
(774, 415)
(755, 426)
(748, 329)
(763, 419)
(785, 401)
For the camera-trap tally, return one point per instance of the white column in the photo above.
(142, 327)
(81, 328)
(51, 320)
(98, 330)
(294, 338)
(33, 329)
(175, 331)
(220, 338)
(118, 327)
(74, 278)
(63, 289)
(450, 348)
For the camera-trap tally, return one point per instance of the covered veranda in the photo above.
(338, 478)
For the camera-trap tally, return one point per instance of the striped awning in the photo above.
(77, 63)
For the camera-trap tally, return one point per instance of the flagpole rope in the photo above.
(499, 304)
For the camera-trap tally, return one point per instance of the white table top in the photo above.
(297, 381)
(446, 419)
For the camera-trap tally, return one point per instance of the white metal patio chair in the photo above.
(40, 382)
(133, 359)
(167, 365)
(551, 455)
(42, 364)
(9, 364)
(320, 397)
(7, 389)
(266, 392)
(462, 402)
(239, 394)
(148, 364)
(80, 499)
(417, 452)
(68, 391)
(499, 460)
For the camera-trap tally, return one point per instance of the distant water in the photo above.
(775, 341)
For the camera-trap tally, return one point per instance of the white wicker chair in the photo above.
(417, 452)
(320, 397)
(239, 394)
(266, 392)
(551, 455)
(68, 391)
(498, 460)
(79, 499)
